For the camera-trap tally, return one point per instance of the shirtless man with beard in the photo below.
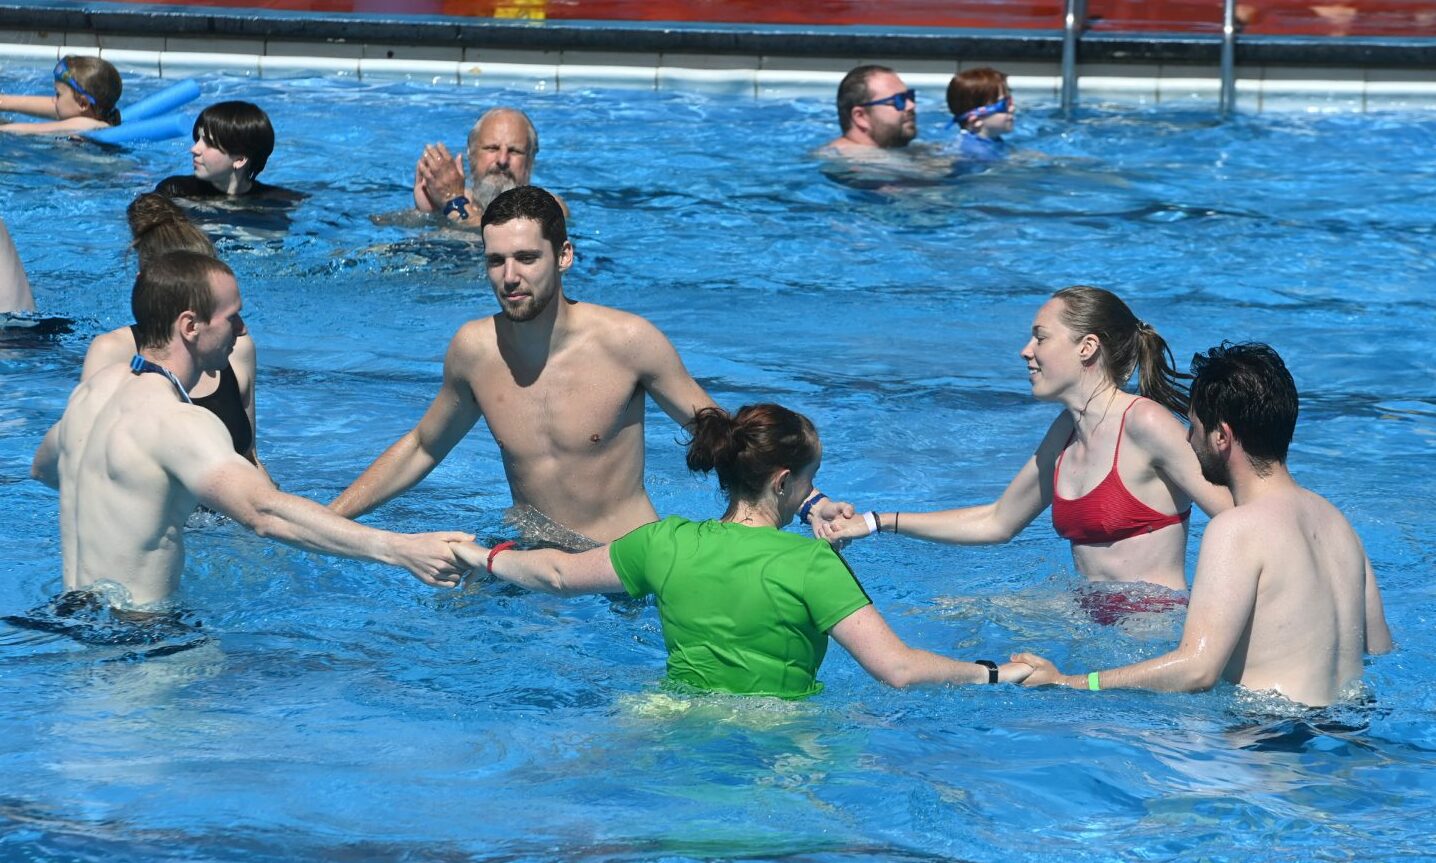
(561, 385)
(502, 147)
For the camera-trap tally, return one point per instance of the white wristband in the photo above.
(871, 520)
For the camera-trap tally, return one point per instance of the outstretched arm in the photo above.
(55, 127)
(660, 371)
(883, 654)
(45, 466)
(1223, 597)
(1029, 493)
(411, 458)
(15, 294)
(34, 106)
(195, 448)
(548, 570)
(1378, 634)
(1164, 438)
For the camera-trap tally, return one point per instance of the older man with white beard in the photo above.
(502, 147)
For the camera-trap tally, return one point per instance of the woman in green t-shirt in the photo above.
(746, 607)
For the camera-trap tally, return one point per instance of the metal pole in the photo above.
(1229, 55)
(1073, 22)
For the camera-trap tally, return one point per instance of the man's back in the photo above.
(1307, 632)
(121, 513)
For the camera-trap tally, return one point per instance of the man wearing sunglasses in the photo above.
(876, 110)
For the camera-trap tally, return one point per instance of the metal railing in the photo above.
(1075, 23)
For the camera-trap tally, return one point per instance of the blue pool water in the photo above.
(345, 711)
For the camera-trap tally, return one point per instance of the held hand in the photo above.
(473, 556)
(1043, 672)
(440, 174)
(824, 513)
(430, 557)
(845, 528)
(1013, 672)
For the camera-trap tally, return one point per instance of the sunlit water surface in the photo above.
(345, 711)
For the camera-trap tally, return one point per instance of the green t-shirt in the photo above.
(744, 609)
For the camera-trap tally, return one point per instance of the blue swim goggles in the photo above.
(897, 100)
(1001, 106)
(65, 75)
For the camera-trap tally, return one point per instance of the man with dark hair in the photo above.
(232, 144)
(139, 456)
(876, 110)
(560, 383)
(502, 147)
(1284, 597)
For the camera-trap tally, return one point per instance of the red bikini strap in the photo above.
(1120, 430)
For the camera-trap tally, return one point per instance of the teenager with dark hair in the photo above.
(232, 144)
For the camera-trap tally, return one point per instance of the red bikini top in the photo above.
(1109, 512)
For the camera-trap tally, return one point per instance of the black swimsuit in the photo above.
(227, 404)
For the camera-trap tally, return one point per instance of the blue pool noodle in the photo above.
(154, 129)
(164, 101)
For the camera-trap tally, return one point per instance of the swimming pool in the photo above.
(346, 711)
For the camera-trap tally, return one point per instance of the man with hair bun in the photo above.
(1284, 597)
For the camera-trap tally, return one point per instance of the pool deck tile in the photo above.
(182, 64)
(539, 77)
(285, 66)
(375, 51)
(201, 45)
(29, 55)
(572, 76)
(29, 37)
(130, 62)
(731, 81)
(321, 50)
(444, 72)
(126, 42)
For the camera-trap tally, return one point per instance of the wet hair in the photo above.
(239, 129)
(473, 139)
(747, 448)
(101, 82)
(973, 88)
(169, 286)
(1248, 387)
(853, 91)
(158, 225)
(1127, 344)
(529, 202)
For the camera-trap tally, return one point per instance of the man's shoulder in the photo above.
(613, 325)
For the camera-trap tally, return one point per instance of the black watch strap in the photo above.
(991, 669)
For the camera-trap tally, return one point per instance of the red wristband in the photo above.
(493, 552)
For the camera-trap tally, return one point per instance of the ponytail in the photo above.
(747, 448)
(1128, 344)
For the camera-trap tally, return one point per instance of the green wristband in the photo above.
(1093, 682)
